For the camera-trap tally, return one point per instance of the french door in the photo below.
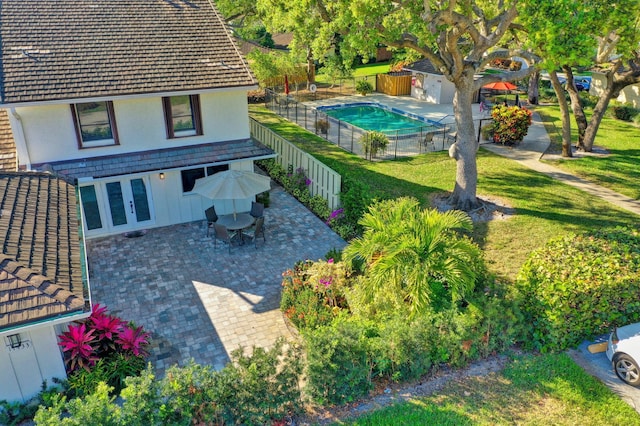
(117, 205)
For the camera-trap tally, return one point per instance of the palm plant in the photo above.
(412, 258)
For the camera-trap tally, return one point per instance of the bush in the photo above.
(510, 123)
(363, 87)
(313, 293)
(624, 112)
(577, 287)
(373, 142)
(338, 365)
(258, 389)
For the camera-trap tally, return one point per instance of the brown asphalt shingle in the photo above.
(40, 263)
(70, 49)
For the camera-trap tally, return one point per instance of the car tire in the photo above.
(626, 369)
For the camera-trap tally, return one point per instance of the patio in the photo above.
(199, 302)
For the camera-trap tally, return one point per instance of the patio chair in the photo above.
(212, 217)
(257, 209)
(256, 231)
(222, 233)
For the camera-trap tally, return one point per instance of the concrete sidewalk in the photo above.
(531, 150)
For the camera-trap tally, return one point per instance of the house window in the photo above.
(182, 116)
(95, 124)
(189, 176)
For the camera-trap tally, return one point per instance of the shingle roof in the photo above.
(423, 65)
(8, 156)
(40, 267)
(65, 49)
(158, 159)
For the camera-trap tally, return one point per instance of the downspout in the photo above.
(24, 159)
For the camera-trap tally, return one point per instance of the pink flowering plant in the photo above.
(314, 293)
(510, 123)
(104, 342)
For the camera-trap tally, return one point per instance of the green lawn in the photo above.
(545, 208)
(532, 390)
(361, 71)
(620, 170)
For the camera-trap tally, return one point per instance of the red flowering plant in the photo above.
(510, 123)
(103, 342)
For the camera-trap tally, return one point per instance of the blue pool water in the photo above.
(376, 117)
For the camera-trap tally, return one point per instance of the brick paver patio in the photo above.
(198, 301)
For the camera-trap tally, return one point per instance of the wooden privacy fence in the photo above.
(394, 84)
(324, 181)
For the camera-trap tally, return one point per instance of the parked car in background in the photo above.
(623, 350)
(583, 83)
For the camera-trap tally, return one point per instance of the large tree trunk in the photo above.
(465, 148)
(576, 106)
(311, 68)
(564, 113)
(533, 92)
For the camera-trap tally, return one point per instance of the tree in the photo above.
(617, 46)
(413, 258)
(454, 35)
(572, 33)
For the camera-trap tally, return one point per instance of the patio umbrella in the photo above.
(500, 85)
(286, 85)
(232, 185)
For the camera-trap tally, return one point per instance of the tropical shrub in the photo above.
(313, 293)
(363, 87)
(261, 388)
(411, 259)
(510, 123)
(102, 348)
(373, 142)
(579, 286)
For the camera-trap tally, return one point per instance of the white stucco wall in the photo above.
(24, 369)
(50, 135)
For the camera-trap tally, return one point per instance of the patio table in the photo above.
(236, 222)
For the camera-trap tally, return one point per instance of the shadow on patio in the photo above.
(198, 301)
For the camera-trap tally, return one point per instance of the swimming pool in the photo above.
(376, 117)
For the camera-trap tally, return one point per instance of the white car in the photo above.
(623, 350)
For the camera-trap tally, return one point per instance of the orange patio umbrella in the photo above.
(500, 85)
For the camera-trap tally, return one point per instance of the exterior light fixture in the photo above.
(15, 341)
(161, 175)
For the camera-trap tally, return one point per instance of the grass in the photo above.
(361, 71)
(619, 171)
(532, 390)
(545, 208)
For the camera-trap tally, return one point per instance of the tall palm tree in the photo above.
(409, 256)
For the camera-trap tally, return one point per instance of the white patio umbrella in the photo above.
(232, 185)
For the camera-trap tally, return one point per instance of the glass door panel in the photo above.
(116, 204)
(90, 207)
(140, 200)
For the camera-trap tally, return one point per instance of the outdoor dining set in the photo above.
(237, 228)
(234, 185)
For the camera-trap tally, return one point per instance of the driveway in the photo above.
(200, 302)
(599, 366)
